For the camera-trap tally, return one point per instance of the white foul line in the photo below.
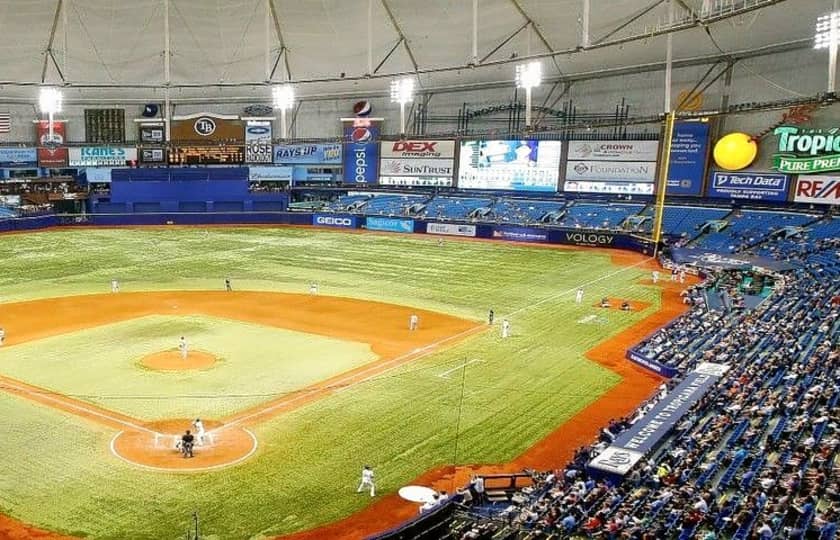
(456, 368)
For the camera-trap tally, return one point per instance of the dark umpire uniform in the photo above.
(187, 442)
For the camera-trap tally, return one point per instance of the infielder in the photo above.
(115, 286)
(579, 296)
(313, 288)
(2, 336)
(182, 346)
(228, 287)
(412, 322)
(367, 481)
(199, 431)
(505, 328)
(655, 276)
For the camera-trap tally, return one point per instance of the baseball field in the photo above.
(298, 390)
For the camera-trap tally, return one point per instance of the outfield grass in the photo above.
(403, 422)
(253, 364)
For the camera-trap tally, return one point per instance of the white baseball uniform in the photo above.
(655, 276)
(367, 481)
(505, 329)
(412, 322)
(2, 336)
(182, 346)
(199, 431)
(579, 296)
(115, 285)
(313, 288)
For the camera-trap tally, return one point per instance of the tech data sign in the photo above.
(807, 151)
(817, 190)
(418, 163)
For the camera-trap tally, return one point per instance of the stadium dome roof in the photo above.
(221, 49)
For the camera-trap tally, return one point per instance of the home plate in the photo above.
(418, 494)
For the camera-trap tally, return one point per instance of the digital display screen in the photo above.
(522, 165)
(206, 155)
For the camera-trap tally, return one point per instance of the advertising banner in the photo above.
(817, 190)
(607, 171)
(509, 165)
(627, 188)
(101, 156)
(258, 147)
(714, 260)
(152, 156)
(630, 446)
(520, 234)
(51, 153)
(417, 149)
(651, 364)
(389, 224)
(613, 150)
(332, 220)
(755, 186)
(418, 168)
(152, 133)
(361, 154)
(270, 174)
(450, 229)
(807, 150)
(307, 154)
(16, 157)
(588, 238)
(689, 151)
(203, 128)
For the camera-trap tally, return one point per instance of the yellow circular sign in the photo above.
(735, 151)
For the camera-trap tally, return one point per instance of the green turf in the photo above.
(403, 422)
(254, 364)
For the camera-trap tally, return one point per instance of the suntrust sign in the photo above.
(807, 151)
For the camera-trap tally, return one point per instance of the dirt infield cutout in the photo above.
(172, 361)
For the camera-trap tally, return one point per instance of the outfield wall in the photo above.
(405, 225)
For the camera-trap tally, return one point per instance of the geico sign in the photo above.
(339, 221)
(590, 238)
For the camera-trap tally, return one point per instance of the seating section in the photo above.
(526, 211)
(392, 205)
(346, 203)
(455, 207)
(747, 227)
(599, 216)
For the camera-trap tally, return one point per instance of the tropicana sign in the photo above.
(806, 151)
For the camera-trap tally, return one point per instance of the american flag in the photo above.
(5, 122)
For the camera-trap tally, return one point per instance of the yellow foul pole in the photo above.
(662, 185)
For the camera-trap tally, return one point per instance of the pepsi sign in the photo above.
(361, 154)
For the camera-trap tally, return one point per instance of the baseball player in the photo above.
(187, 441)
(682, 275)
(313, 288)
(505, 328)
(199, 430)
(2, 335)
(228, 288)
(412, 322)
(115, 286)
(579, 296)
(490, 317)
(182, 346)
(655, 276)
(367, 481)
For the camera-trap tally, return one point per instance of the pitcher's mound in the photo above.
(153, 446)
(172, 361)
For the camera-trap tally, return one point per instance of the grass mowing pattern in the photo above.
(403, 422)
(254, 364)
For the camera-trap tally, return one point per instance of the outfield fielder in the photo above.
(115, 286)
(579, 296)
(313, 288)
(505, 328)
(413, 321)
(2, 336)
(367, 481)
(182, 346)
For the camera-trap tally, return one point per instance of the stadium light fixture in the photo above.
(50, 101)
(284, 99)
(827, 36)
(402, 92)
(528, 76)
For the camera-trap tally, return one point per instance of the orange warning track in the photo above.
(555, 450)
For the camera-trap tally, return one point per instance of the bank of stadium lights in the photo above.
(49, 101)
(528, 76)
(402, 92)
(827, 36)
(283, 98)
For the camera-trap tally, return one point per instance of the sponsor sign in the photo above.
(153, 134)
(450, 229)
(714, 260)
(361, 154)
(509, 165)
(15, 157)
(629, 188)
(99, 175)
(270, 174)
(520, 234)
(754, 186)
(51, 153)
(389, 224)
(689, 151)
(621, 171)
(807, 150)
(152, 155)
(258, 147)
(584, 238)
(330, 220)
(629, 447)
(651, 364)
(418, 149)
(420, 168)
(817, 190)
(307, 154)
(101, 156)
(613, 150)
